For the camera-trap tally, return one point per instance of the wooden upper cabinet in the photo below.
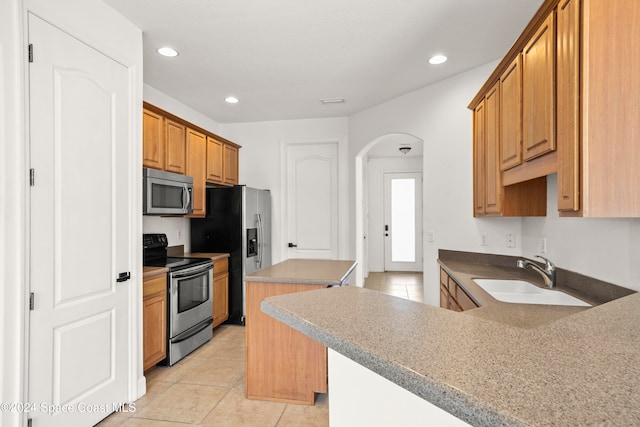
(538, 91)
(175, 146)
(568, 104)
(197, 168)
(479, 163)
(493, 191)
(511, 115)
(152, 139)
(230, 169)
(610, 110)
(214, 160)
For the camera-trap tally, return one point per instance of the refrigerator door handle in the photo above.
(260, 236)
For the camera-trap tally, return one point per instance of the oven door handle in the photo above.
(193, 272)
(188, 334)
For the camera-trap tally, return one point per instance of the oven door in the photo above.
(190, 297)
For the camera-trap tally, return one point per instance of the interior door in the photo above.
(312, 200)
(79, 230)
(403, 221)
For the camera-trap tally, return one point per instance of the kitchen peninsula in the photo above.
(281, 363)
(581, 367)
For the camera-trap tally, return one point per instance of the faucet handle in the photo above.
(548, 264)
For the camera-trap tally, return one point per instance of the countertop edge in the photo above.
(151, 272)
(448, 398)
(257, 277)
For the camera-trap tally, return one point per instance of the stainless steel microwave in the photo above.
(166, 193)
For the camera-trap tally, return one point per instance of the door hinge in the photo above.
(30, 52)
(32, 301)
(32, 177)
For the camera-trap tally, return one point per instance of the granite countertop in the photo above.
(305, 271)
(577, 367)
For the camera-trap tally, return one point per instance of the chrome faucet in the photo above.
(548, 273)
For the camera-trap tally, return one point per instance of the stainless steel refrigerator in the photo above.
(238, 221)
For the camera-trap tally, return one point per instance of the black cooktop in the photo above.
(154, 254)
(174, 263)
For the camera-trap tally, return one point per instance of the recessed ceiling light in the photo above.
(437, 59)
(332, 100)
(167, 51)
(231, 99)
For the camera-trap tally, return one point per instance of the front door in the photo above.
(79, 230)
(312, 200)
(403, 221)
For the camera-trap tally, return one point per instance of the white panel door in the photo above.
(79, 230)
(312, 200)
(403, 221)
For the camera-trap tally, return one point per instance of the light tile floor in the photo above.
(207, 389)
(406, 285)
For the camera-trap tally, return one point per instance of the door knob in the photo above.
(291, 245)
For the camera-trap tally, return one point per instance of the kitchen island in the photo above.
(281, 363)
(578, 368)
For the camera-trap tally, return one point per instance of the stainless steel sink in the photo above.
(523, 292)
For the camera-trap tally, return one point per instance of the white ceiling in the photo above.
(281, 57)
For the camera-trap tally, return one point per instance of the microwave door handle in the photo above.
(186, 197)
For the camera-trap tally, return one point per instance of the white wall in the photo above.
(177, 108)
(377, 167)
(438, 115)
(101, 27)
(261, 164)
(608, 249)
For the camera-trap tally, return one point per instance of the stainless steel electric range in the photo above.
(189, 297)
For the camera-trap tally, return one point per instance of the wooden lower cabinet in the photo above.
(220, 291)
(452, 296)
(282, 364)
(154, 320)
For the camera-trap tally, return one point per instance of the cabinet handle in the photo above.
(291, 245)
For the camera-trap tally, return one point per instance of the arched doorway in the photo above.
(383, 147)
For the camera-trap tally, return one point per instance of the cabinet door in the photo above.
(152, 140)
(567, 104)
(493, 191)
(230, 169)
(538, 92)
(196, 167)
(444, 297)
(214, 160)
(220, 298)
(511, 115)
(479, 163)
(175, 147)
(464, 301)
(154, 321)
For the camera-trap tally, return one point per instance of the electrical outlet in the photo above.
(511, 240)
(542, 247)
(484, 239)
(431, 236)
